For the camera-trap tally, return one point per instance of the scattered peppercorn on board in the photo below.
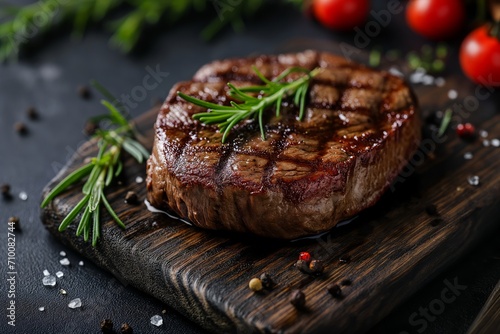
(430, 218)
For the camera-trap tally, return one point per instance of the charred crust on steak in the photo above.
(360, 128)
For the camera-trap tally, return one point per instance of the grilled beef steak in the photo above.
(360, 129)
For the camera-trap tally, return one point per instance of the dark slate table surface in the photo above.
(47, 78)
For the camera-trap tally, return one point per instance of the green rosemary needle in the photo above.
(445, 122)
(271, 93)
(99, 173)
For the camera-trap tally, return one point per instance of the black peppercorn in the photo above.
(21, 128)
(316, 267)
(107, 326)
(32, 113)
(431, 210)
(433, 119)
(5, 189)
(267, 281)
(334, 290)
(131, 198)
(84, 92)
(346, 282)
(126, 329)
(298, 299)
(303, 266)
(436, 221)
(15, 221)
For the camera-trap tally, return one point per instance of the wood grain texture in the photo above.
(387, 254)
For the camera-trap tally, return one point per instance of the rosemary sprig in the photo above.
(126, 19)
(271, 93)
(445, 122)
(100, 173)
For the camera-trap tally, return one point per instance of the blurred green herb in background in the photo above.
(126, 19)
(429, 58)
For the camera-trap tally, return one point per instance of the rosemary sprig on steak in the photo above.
(100, 173)
(269, 94)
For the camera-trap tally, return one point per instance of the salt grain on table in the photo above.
(417, 76)
(59, 274)
(64, 262)
(468, 156)
(62, 253)
(49, 280)
(439, 81)
(46, 272)
(157, 320)
(427, 80)
(473, 180)
(452, 94)
(495, 142)
(23, 196)
(75, 303)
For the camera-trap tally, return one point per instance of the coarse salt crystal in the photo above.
(64, 262)
(416, 78)
(452, 94)
(46, 272)
(75, 303)
(439, 81)
(473, 180)
(157, 320)
(49, 280)
(427, 80)
(468, 156)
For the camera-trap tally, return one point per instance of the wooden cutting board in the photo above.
(387, 254)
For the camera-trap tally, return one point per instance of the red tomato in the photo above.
(480, 57)
(435, 19)
(341, 14)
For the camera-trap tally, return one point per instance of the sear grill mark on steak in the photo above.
(359, 130)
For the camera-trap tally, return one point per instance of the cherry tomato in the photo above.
(435, 19)
(480, 57)
(341, 14)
